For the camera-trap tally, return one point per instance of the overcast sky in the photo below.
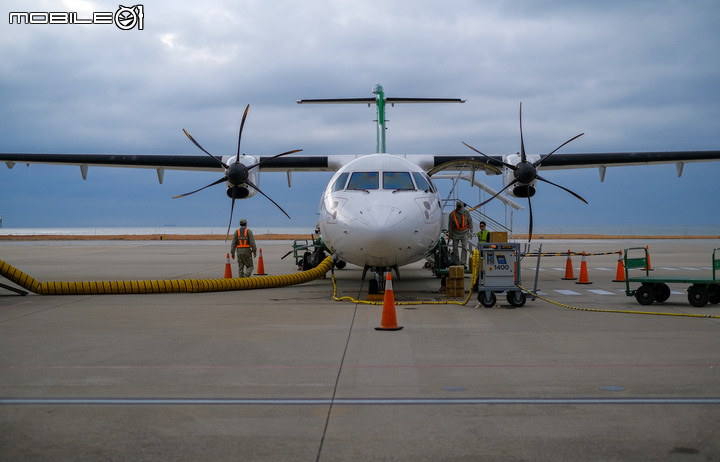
(632, 75)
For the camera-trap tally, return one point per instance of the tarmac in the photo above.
(290, 374)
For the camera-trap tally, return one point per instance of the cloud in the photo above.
(631, 75)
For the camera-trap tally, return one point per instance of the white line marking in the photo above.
(567, 292)
(347, 401)
(600, 292)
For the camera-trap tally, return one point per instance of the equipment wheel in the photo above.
(516, 298)
(662, 292)
(714, 290)
(340, 264)
(487, 298)
(645, 294)
(698, 295)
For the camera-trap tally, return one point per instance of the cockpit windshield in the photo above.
(364, 181)
(423, 184)
(397, 180)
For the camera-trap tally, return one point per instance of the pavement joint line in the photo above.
(354, 401)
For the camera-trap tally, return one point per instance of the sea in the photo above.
(129, 231)
(179, 230)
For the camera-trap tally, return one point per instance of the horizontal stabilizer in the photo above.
(337, 101)
(424, 100)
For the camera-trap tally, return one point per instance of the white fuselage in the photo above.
(380, 210)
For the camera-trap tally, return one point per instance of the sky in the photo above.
(631, 75)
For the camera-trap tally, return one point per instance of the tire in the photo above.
(645, 295)
(487, 299)
(373, 287)
(714, 291)
(662, 292)
(516, 298)
(698, 296)
(340, 264)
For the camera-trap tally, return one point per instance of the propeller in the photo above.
(236, 173)
(525, 173)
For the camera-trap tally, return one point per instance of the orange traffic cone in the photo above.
(389, 320)
(583, 272)
(261, 266)
(649, 267)
(620, 273)
(569, 269)
(228, 268)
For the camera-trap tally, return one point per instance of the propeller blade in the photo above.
(193, 192)
(538, 162)
(561, 187)
(522, 142)
(511, 167)
(530, 228)
(232, 208)
(273, 157)
(496, 195)
(203, 149)
(268, 198)
(242, 124)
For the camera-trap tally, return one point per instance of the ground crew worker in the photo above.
(244, 243)
(483, 235)
(459, 226)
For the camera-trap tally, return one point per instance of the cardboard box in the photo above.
(456, 272)
(498, 236)
(452, 283)
(455, 293)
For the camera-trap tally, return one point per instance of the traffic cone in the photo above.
(228, 268)
(389, 320)
(569, 269)
(620, 273)
(583, 272)
(649, 267)
(261, 266)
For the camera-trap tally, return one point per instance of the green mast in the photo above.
(380, 101)
(380, 104)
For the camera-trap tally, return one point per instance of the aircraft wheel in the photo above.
(487, 298)
(516, 298)
(645, 295)
(662, 292)
(714, 289)
(373, 286)
(698, 296)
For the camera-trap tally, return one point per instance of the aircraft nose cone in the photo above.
(381, 236)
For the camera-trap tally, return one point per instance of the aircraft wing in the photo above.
(565, 161)
(601, 160)
(162, 161)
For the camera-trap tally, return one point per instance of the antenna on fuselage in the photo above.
(380, 100)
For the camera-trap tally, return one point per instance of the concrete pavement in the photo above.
(290, 374)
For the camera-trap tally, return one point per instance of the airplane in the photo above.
(379, 210)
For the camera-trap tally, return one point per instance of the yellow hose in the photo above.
(475, 265)
(160, 287)
(599, 310)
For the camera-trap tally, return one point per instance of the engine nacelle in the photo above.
(241, 192)
(524, 190)
(241, 189)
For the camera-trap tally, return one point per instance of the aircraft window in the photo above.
(422, 183)
(397, 180)
(363, 181)
(340, 182)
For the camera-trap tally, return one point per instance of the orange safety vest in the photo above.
(457, 225)
(242, 241)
